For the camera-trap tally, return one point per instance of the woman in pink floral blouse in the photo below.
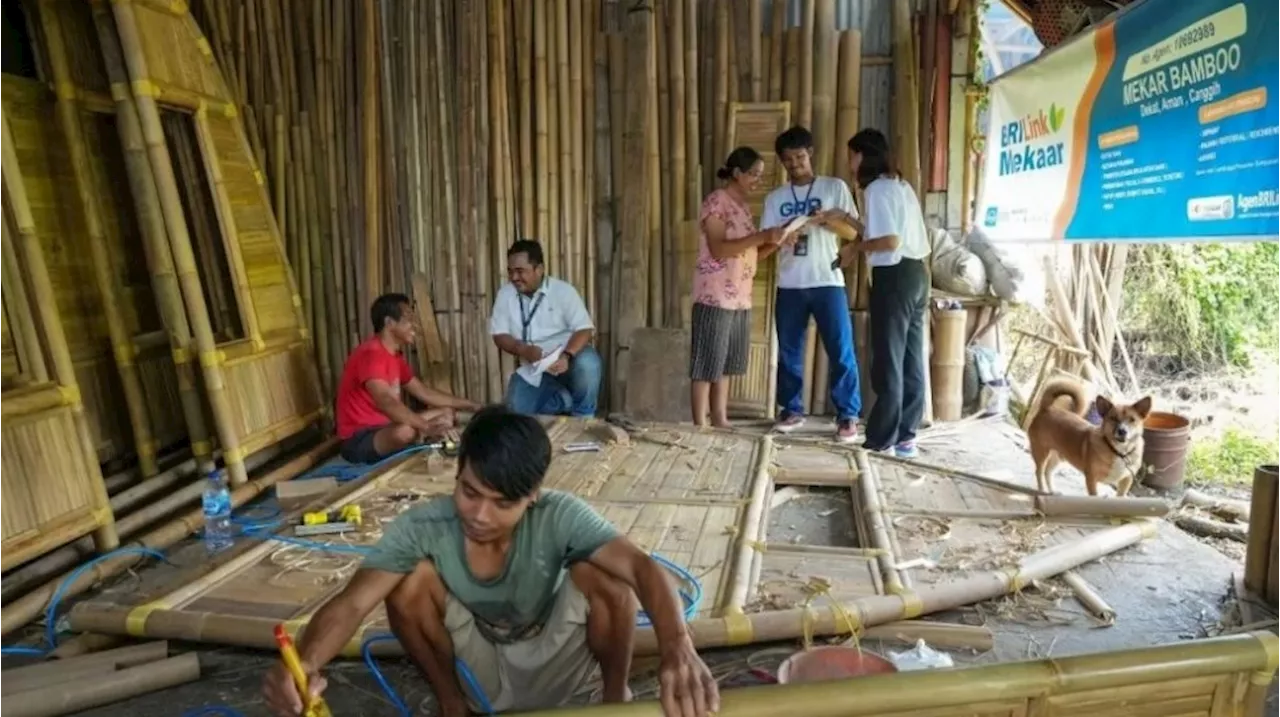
(728, 251)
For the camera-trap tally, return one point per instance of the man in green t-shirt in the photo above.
(530, 589)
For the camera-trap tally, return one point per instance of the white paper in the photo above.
(532, 372)
(794, 225)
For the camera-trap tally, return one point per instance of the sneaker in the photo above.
(847, 431)
(788, 422)
(887, 451)
(906, 450)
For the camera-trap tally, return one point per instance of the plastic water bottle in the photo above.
(217, 514)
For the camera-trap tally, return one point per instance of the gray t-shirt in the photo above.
(558, 530)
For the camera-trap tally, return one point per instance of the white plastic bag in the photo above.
(920, 657)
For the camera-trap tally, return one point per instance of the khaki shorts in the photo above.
(543, 671)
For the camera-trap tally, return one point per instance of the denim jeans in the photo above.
(574, 392)
(829, 307)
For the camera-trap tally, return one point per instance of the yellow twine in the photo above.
(135, 623)
(844, 620)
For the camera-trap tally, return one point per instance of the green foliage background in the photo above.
(1207, 306)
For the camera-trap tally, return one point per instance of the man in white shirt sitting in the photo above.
(810, 285)
(535, 316)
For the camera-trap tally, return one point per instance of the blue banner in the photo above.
(1160, 124)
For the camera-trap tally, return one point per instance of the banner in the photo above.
(1160, 124)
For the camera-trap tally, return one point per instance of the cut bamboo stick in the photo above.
(55, 672)
(369, 111)
(1089, 597)
(653, 154)
(777, 48)
(808, 18)
(1262, 526)
(93, 691)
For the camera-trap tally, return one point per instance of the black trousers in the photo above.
(899, 296)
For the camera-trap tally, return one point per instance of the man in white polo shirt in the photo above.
(810, 284)
(535, 317)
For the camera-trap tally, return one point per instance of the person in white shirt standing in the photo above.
(533, 316)
(897, 244)
(811, 285)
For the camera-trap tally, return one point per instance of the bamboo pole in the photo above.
(867, 497)
(848, 120)
(103, 271)
(692, 148)
(369, 109)
(45, 302)
(808, 18)
(587, 200)
(541, 118)
(104, 689)
(750, 537)
(180, 244)
(1089, 597)
(1262, 521)
(755, 31)
(777, 48)
(577, 153)
(669, 307)
(28, 607)
(653, 155)
(791, 72)
(554, 241)
(633, 261)
(722, 72)
(63, 671)
(524, 28)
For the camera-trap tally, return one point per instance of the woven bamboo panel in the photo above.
(661, 464)
(46, 484)
(46, 169)
(171, 52)
(264, 263)
(269, 389)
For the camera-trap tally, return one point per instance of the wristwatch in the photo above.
(568, 356)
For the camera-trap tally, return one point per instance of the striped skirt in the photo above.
(720, 342)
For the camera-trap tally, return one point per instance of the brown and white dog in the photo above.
(1110, 453)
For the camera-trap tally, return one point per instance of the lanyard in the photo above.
(807, 195)
(527, 318)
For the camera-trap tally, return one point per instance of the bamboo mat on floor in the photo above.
(676, 492)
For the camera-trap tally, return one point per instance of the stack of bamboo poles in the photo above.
(79, 683)
(412, 140)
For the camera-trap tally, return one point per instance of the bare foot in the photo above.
(722, 424)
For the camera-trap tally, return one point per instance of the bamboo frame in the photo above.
(37, 273)
(866, 496)
(108, 290)
(180, 243)
(731, 629)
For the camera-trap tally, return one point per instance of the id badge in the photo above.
(801, 247)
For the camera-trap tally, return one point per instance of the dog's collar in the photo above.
(1122, 456)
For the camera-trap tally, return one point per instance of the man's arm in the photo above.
(333, 625)
(503, 332)
(684, 677)
(438, 399)
(578, 320)
(392, 407)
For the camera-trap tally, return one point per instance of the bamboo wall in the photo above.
(407, 143)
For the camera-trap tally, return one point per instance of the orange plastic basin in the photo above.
(821, 664)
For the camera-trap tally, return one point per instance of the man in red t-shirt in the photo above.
(373, 420)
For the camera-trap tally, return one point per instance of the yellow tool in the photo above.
(312, 707)
(348, 514)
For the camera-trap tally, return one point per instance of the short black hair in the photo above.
(388, 306)
(796, 137)
(529, 248)
(506, 451)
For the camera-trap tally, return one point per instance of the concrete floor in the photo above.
(1168, 589)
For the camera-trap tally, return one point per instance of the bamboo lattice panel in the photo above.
(59, 224)
(46, 482)
(677, 493)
